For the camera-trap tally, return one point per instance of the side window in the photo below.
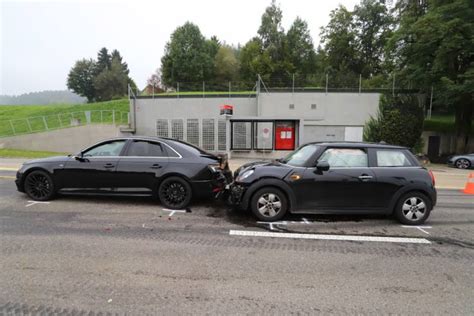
(112, 148)
(345, 157)
(145, 149)
(392, 158)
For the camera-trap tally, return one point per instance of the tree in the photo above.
(104, 60)
(433, 46)
(399, 121)
(373, 24)
(301, 54)
(111, 83)
(274, 47)
(81, 78)
(339, 38)
(254, 60)
(187, 59)
(116, 54)
(154, 82)
(226, 64)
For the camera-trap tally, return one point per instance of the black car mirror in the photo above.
(322, 166)
(79, 156)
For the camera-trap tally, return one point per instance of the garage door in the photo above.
(312, 133)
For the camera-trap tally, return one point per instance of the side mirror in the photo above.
(79, 157)
(322, 166)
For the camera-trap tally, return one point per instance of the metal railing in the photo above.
(44, 123)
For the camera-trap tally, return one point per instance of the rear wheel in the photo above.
(462, 163)
(39, 186)
(413, 208)
(175, 193)
(269, 204)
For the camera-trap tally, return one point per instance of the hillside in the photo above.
(58, 115)
(43, 97)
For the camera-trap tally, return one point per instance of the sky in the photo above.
(41, 40)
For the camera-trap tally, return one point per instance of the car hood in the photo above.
(265, 168)
(48, 160)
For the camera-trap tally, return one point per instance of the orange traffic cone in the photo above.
(469, 189)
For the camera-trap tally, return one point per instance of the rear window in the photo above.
(145, 149)
(392, 158)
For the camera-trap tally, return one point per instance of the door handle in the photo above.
(365, 177)
(155, 166)
(109, 165)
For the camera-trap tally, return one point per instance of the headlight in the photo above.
(245, 175)
(215, 168)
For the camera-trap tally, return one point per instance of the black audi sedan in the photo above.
(337, 178)
(172, 170)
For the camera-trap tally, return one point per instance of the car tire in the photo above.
(175, 193)
(462, 163)
(413, 208)
(269, 204)
(39, 186)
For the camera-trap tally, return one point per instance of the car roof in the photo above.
(358, 144)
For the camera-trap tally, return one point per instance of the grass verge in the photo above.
(20, 153)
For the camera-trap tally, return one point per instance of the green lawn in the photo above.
(19, 153)
(441, 123)
(22, 119)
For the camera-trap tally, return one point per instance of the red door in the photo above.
(284, 136)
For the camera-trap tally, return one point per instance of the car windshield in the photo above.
(300, 156)
(191, 148)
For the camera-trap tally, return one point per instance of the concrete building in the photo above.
(267, 124)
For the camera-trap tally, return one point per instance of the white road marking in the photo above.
(330, 237)
(35, 202)
(305, 220)
(420, 228)
(172, 212)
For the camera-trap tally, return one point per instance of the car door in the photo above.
(348, 184)
(391, 168)
(142, 165)
(95, 167)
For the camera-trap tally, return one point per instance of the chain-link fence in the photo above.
(61, 120)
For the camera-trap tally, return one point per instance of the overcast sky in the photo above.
(41, 40)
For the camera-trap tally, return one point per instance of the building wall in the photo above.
(149, 110)
(331, 108)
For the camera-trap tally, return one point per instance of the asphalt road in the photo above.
(94, 255)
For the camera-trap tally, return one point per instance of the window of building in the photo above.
(106, 150)
(242, 135)
(392, 158)
(208, 131)
(264, 135)
(192, 131)
(162, 128)
(145, 149)
(177, 129)
(345, 158)
(221, 135)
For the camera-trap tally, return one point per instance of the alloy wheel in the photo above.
(414, 208)
(38, 186)
(462, 163)
(269, 204)
(174, 193)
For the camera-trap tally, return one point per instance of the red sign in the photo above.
(227, 109)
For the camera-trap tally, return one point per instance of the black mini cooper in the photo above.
(337, 178)
(172, 170)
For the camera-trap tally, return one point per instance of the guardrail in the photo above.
(44, 123)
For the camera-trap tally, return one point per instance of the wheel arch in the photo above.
(37, 168)
(399, 194)
(269, 182)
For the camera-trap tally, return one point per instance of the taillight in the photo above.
(432, 177)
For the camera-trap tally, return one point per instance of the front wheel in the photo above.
(413, 208)
(39, 186)
(175, 193)
(269, 204)
(462, 163)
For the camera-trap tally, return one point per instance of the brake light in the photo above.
(432, 177)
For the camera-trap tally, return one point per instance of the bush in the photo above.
(399, 121)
